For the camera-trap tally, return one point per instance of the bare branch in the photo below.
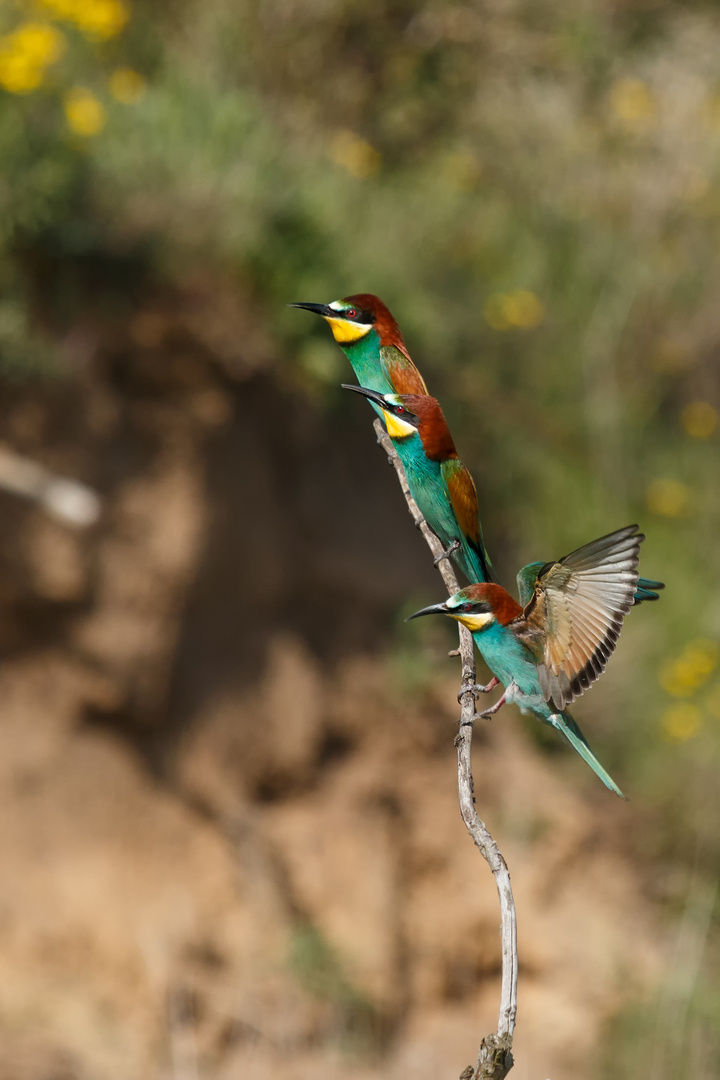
(494, 1059)
(72, 502)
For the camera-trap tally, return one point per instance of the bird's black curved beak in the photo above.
(374, 395)
(320, 309)
(434, 609)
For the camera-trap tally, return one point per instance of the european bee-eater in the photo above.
(370, 338)
(439, 482)
(548, 653)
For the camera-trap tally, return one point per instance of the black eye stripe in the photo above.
(359, 316)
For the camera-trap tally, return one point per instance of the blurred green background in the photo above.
(534, 189)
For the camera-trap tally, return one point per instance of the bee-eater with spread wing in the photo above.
(549, 652)
(439, 482)
(370, 338)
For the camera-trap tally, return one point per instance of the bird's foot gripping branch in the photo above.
(446, 552)
(477, 688)
(486, 714)
(494, 1059)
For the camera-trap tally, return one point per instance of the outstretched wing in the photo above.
(577, 607)
(647, 589)
(463, 499)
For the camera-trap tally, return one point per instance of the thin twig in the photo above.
(494, 1059)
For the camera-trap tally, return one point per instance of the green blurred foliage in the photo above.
(535, 191)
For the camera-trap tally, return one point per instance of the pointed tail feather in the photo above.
(474, 562)
(647, 590)
(565, 723)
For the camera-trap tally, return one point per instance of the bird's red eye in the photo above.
(466, 607)
(399, 408)
(351, 313)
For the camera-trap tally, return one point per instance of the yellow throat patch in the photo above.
(344, 331)
(473, 622)
(397, 428)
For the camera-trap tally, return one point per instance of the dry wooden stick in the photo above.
(495, 1058)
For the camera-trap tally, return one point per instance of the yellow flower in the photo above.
(84, 113)
(18, 75)
(127, 86)
(703, 653)
(523, 309)
(96, 18)
(355, 155)
(667, 498)
(520, 308)
(633, 104)
(691, 669)
(681, 722)
(102, 18)
(26, 53)
(699, 419)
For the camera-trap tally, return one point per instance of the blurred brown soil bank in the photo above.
(228, 848)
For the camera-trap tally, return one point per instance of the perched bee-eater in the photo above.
(371, 339)
(547, 653)
(439, 482)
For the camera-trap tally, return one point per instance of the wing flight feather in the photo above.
(578, 606)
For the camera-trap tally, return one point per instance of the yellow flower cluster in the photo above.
(691, 669)
(683, 677)
(84, 112)
(101, 19)
(521, 308)
(633, 104)
(668, 498)
(26, 54)
(681, 722)
(700, 419)
(127, 86)
(355, 155)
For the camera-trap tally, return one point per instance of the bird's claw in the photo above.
(488, 713)
(478, 688)
(447, 552)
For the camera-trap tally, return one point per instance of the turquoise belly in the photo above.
(427, 488)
